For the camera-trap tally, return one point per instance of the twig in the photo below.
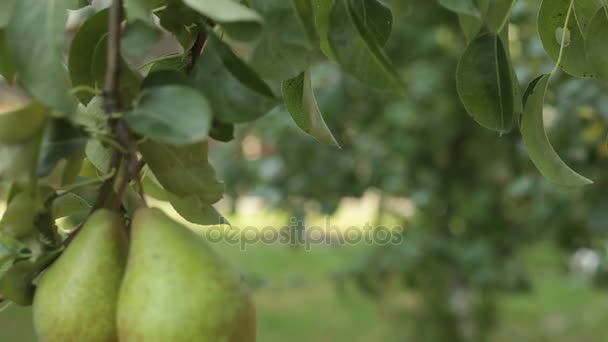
(111, 94)
(197, 49)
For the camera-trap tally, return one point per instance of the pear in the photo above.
(177, 289)
(76, 297)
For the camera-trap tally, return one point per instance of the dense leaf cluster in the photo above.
(127, 103)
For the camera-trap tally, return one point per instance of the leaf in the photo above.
(36, 38)
(470, 26)
(483, 81)
(183, 170)
(596, 43)
(535, 138)
(230, 99)
(60, 141)
(193, 210)
(496, 13)
(153, 189)
(82, 52)
(7, 65)
(182, 21)
(221, 131)
(239, 21)
(551, 21)
(274, 59)
(239, 69)
(376, 17)
(173, 114)
(18, 161)
(282, 19)
(99, 155)
(461, 7)
(69, 204)
(301, 103)
(129, 80)
(584, 10)
(356, 50)
(141, 33)
(17, 285)
(139, 38)
(6, 11)
(8, 253)
(20, 125)
(286, 47)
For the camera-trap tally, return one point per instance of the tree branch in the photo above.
(111, 93)
(197, 49)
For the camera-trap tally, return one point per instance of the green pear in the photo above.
(177, 289)
(76, 297)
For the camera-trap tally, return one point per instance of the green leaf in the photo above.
(302, 105)
(60, 141)
(274, 59)
(99, 155)
(551, 22)
(140, 33)
(82, 52)
(139, 38)
(19, 125)
(17, 285)
(467, 7)
(535, 138)
(283, 19)
(69, 204)
(238, 68)
(221, 131)
(8, 253)
(483, 81)
(7, 65)
(192, 209)
(165, 77)
(18, 161)
(239, 21)
(496, 13)
(597, 50)
(286, 47)
(231, 100)
(173, 114)
(322, 10)
(182, 21)
(376, 17)
(36, 39)
(183, 170)
(584, 11)
(470, 26)
(306, 17)
(153, 188)
(129, 80)
(356, 50)
(6, 11)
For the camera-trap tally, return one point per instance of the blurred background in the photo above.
(490, 251)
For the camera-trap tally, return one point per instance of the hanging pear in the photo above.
(76, 297)
(177, 289)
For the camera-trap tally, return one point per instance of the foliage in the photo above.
(124, 120)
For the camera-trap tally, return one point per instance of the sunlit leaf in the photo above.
(302, 105)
